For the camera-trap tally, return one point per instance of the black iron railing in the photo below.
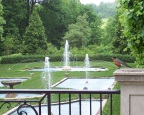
(78, 95)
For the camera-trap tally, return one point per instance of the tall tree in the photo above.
(56, 16)
(94, 22)
(132, 18)
(115, 37)
(15, 16)
(2, 21)
(79, 33)
(35, 39)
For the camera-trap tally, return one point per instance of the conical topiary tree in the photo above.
(35, 39)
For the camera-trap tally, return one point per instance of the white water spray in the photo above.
(87, 65)
(66, 54)
(46, 77)
(66, 57)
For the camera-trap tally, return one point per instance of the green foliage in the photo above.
(21, 59)
(35, 40)
(108, 31)
(91, 50)
(119, 41)
(132, 19)
(52, 49)
(95, 22)
(58, 57)
(114, 37)
(2, 21)
(8, 44)
(104, 49)
(15, 16)
(108, 57)
(81, 51)
(78, 33)
(56, 16)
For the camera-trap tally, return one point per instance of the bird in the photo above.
(119, 63)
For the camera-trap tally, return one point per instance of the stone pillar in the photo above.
(132, 90)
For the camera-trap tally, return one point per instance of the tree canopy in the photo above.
(79, 33)
(58, 20)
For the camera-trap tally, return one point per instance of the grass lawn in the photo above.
(18, 71)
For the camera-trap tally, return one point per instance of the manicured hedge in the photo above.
(28, 58)
(108, 57)
(36, 58)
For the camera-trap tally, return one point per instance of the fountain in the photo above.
(87, 65)
(46, 75)
(67, 67)
(86, 84)
(66, 57)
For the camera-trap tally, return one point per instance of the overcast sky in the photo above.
(97, 2)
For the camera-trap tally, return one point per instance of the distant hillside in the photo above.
(105, 10)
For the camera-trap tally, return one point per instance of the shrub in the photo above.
(59, 57)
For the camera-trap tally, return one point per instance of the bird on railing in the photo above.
(119, 63)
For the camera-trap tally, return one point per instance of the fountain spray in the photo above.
(87, 65)
(66, 57)
(46, 77)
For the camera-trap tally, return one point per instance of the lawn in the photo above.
(19, 71)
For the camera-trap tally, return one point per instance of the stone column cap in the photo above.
(129, 75)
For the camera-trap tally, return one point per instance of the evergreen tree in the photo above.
(35, 40)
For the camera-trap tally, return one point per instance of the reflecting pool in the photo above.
(90, 84)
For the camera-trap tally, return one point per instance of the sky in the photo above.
(97, 2)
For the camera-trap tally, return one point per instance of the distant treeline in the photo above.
(105, 10)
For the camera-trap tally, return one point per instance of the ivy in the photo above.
(132, 19)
